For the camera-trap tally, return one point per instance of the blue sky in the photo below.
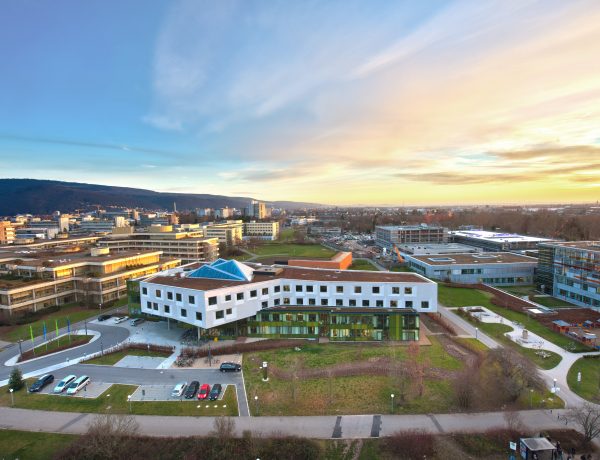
(338, 102)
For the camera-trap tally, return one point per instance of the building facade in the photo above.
(223, 293)
(262, 230)
(386, 236)
(501, 268)
(7, 232)
(494, 241)
(575, 268)
(229, 233)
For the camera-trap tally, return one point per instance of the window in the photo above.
(309, 288)
(324, 302)
(198, 316)
(425, 304)
(300, 317)
(228, 311)
(277, 288)
(228, 298)
(352, 302)
(286, 288)
(298, 288)
(212, 300)
(158, 293)
(408, 304)
(312, 302)
(191, 299)
(276, 302)
(357, 289)
(375, 290)
(312, 317)
(178, 297)
(155, 305)
(149, 305)
(379, 303)
(184, 312)
(323, 288)
(169, 295)
(265, 304)
(299, 301)
(289, 317)
(395, 290)
(365, 303)
(167, 309)
(219, 314)
(339, 302)
(393, 303)
(253, 294)
(239, 296)
(286, 300)
(339, 289)
(408, 290)
(145, 291)
(275, 317)
(265, 291)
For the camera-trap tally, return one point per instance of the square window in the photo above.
(425, 304)
(339, 302)
(191, 299)
(312, 302)
(393, 303)
(357, 289)
(395, 290)
(145, 291)
(309, 288)
(228, 298)
(265, 291)
(324, 302)
(277, 288)
(286, 300)
(300, 301)
(298, 288)
(219, 314)
(149, 305)
(408, 304)
(212, 300)
(379, 303)
(339, 289)
(275, 317)
(276, 302)
(228, 311)
(239, 296)
(286, 288)
(352, 302)
(198, 316)
(323, 288)
(265, 304)
(365, 303)
(158, 293)
(178, 297)
(253, 294)
(375, 289)
(167, 309)
(408, 290)
(155, 306)
(184, 312)
(300, 317)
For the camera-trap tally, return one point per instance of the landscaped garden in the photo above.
(362, 264)
(589, 387)
(59, 344)
(110, 359)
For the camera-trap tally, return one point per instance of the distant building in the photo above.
(229, 233)
(386, 236)
(494, 241)
(7, 232)
(224, 213)
(97, 226)
(261, 230)
(39, 233)
(302, 220)
(340, 261)
(321, 230)
(571, 271)
(257, 210)
(437, 248)
(501, 268)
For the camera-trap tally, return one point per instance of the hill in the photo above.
(45, 196)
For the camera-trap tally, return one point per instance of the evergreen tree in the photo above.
(16, 380)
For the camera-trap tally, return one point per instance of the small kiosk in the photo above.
(536, 449)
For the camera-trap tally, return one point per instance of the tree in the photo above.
(224, 427)
(105, 433)
(588, 419)
(15, 381)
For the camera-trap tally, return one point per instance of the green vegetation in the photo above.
(26, 445)
(519, 290)
(472, 343)
(115, 400)
(400, 268)
(462, 297)
(113, 358)
(552, 302)
(293, 250)
(362, 265)
(287, 235)
(74, 312)
(589, 387)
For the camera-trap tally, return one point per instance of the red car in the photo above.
(204, 391)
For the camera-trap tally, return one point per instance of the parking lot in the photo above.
(163, 393)
(92, 390)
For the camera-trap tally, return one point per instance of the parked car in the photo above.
(230, 367)
(178, 389)
(104, 317)
(40, 383)
(135, 321)
(215, 392)
(120, 319)
(78, 384)
(64, 383)
(204, 391)
(192, 389)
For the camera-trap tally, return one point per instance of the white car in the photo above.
(178, 389)
(64, 383)
(120, 319)
(78, 384)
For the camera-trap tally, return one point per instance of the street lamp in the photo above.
(20, 349)
(101, 348)
(256, 402)
(554, 384)
(129, 401)
(476, 332)
(12, 397)
(531, 398)
(392, 395)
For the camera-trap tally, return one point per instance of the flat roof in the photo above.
(57, 259)
(411, 227)
(587, 245)
(497, 236)
(474, 259)
(293, 273)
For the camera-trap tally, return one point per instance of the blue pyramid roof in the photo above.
(222, 269)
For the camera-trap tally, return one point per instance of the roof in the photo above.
(561, 323)
(410, 227)
(497, 237)
(474, 259)
(361, 310)
(223, 270)
(537, 444)
(585, 245)
(291, 273)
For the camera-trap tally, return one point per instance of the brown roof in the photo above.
(475, 259)
(294, 273)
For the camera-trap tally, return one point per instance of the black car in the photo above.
(191, 390)
(230, 367)
(104, 317)
(40, 383)
(215, 392)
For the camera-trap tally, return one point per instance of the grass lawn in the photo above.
(286, 234)
(400, 268)
(547, 301)
(462, 297)
(362, 265)
(114, 358)
(552, 302)
(519, 290)
(290, 249)
(115, 400)
(74, 312)
(472, 343)
(589, 387)
(26, 445)
(62, 343)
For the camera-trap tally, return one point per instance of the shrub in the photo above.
(412, 444)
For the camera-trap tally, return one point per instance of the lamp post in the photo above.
(476, 333)
(12, 397)
(20, 349)
(85, 323)
(531, 398)
(554, 385)
(392, 403)
(101, 348)
(256, 403)
(129, 401)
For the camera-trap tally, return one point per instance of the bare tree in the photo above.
(224, 427)
(513, 420)
(588, 419)
(106, 431)
(465, 387)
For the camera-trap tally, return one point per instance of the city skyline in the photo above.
(353, 103)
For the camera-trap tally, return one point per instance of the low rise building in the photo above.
(500, 268)
(495, 241)
(280, 301)
(386, 236)
(261, 230)
(229, 233)
(340, 261)
(7, 232)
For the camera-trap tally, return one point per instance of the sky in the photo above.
(336, 102)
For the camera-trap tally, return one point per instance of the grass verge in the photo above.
(26, 445)
(589, 387)
(113, 358)
(362, 265)
(291, 250)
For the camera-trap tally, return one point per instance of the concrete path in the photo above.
(467, 327)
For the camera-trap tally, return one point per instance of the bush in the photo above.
(15, 381)
(191, 352)
(412, 444)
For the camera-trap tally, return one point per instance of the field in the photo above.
(461, 297)
(589, 387)
(26, 445)
(362, 265)
(115, 400)
(293, 250)
(113, 358)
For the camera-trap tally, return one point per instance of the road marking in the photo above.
(376, 426)
(72, 422)
(436, 423)
(337, 429)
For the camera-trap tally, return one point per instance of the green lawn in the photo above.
(74, 313)
(462, 297)
(286, 234)
(26, 445)
(401, 268)
(115, 400)
(589, 387)
(290, 249)
(362, 265)
(472, 343)
(519, 290)
(552, 302)
(113, 358)
(62, 343)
